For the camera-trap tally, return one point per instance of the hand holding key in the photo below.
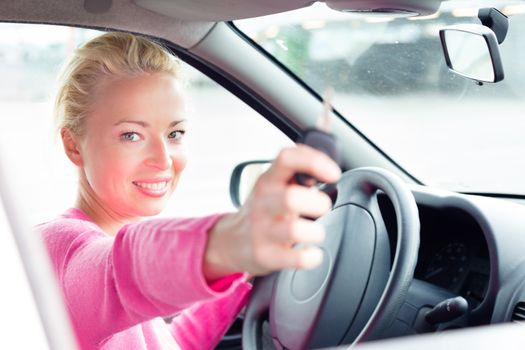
(271, 230)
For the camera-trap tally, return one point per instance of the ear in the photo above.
(71, 146)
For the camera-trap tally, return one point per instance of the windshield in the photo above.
(392, 83)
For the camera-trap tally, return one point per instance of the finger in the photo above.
(292, 201)
(307, 257)
(298, 231)
(304, 159)
(302, 201)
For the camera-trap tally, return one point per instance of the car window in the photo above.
(391, 82)
(223, 131)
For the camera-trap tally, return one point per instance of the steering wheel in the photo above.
(353, 295)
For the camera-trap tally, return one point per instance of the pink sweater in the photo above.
(117, 288)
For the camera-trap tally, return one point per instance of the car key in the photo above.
(321, 139)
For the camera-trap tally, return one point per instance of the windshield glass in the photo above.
(392, 83)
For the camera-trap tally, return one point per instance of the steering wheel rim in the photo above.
(298, 302)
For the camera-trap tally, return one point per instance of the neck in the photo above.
(109, 221)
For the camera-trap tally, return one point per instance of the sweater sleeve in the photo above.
(203, 325)
(150, 269)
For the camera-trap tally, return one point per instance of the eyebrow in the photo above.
(145, 124)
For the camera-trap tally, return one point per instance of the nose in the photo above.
(158, 155)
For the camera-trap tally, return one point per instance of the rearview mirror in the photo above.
(244, 177)
(471, 50)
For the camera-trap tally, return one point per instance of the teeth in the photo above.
(155, 186)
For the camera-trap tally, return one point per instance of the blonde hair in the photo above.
(108, 56)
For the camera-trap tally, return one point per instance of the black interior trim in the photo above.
(496, 195)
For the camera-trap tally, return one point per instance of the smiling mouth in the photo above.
(160, 186)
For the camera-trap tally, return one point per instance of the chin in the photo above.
(149, 210)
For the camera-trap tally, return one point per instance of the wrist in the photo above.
(222, 249)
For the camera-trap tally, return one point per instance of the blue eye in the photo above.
(129, 136)
(176, 135)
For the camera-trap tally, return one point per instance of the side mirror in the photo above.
(243, 179)
(471, 50)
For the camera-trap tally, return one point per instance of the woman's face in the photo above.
(132, 148)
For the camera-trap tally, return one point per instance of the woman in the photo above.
(121, 117)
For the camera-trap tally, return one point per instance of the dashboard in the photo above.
(470, 246)
(453, 253)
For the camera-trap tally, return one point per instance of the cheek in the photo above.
(102, 175)
(179, 160)
(105, 172)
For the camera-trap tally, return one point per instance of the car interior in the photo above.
(408, 262)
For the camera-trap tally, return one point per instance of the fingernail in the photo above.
(337, 172)
(314, 258)
(322, 236)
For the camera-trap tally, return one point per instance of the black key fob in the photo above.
(322, 141)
